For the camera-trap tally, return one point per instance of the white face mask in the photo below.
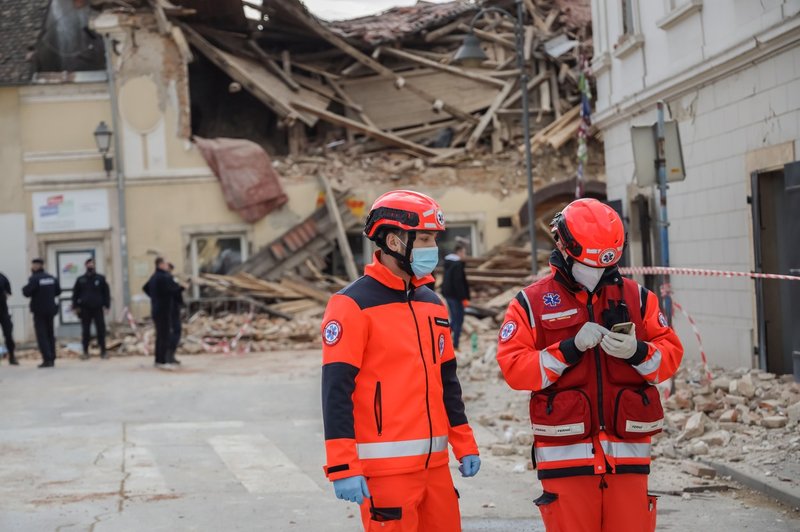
(587, 276)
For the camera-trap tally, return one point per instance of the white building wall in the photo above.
(720, 122)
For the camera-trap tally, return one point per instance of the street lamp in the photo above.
(471, 54)
(102, 137)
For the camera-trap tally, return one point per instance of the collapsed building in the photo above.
(251, 136)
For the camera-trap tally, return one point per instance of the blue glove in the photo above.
(352, 489)
(470, 465)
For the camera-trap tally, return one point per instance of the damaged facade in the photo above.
(359, 106)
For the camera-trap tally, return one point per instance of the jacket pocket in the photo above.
(433, 339)
(383, 515)
(378, 408)
(638, 412)
(564, 416)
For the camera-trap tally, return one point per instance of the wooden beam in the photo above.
(532, 83)
(341, 234)
(554, 93)
(350, 103)
(375, 133)
(242, 77)
(444, 30)
(487, 117)
(528, 46)
(272, 66)
(489, 36)
(314, 25)
(286, 62)
(439, 66)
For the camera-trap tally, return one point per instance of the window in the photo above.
(628, 24)
(461, 233)
(218, 254)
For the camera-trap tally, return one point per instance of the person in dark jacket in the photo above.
(5, 319)
(90, 298)
(161, 288)
(175, 320)
(455, 289)
(43, 289)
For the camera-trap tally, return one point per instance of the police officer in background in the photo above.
(43, 289)
(90, 297)
(5, 319)
(161, 288)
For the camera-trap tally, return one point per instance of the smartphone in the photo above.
(624, 328)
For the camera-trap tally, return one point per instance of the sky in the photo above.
(346, 9)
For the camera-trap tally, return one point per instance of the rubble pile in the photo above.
(741, 415)
(227, 333)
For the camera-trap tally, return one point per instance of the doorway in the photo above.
(66, 262)
(776, 224)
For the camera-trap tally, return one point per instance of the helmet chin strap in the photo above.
(404, 260)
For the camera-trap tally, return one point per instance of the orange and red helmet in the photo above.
(591, 232)
(405, 210)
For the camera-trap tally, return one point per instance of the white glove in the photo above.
(590, 335)
(620, 345)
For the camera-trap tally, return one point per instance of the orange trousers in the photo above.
(600, 503)
(424, 501)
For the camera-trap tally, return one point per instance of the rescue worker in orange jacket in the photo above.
(391, 399)
(594, 405)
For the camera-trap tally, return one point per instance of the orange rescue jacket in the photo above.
(391, 399)
(591, 413)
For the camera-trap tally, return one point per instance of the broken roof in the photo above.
(400, 22)
(21, 24)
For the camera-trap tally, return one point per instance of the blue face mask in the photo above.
(424, 261)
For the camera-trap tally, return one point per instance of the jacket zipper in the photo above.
(433, 343)
(427, 392)
(600, 417)
(378, 407)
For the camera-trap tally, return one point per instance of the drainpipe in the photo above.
(122, 226)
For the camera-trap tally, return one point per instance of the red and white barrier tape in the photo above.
(691, 321)
(661, 270)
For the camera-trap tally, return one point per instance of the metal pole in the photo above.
(526, 128)
(122, 224)
(664, 220)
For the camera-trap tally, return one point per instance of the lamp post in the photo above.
(102, 137)
(471, 54)
(119, 167)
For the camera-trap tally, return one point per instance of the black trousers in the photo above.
(89, 315)
(163, 335)
(176, 329)
(8, 331)
(45, 336)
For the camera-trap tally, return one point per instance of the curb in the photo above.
(771, 487)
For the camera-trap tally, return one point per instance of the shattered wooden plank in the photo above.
(439, 66)
(272, 66)
(258, 81)
(369, 62)
(489, 36)
(378, 134)
(532, 83)
(447, 29)
(341, 234)
(487, 117)
(359, 109)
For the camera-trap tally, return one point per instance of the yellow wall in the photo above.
(11, 196)
(63, 125)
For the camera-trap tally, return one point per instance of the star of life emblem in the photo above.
(332, 332)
